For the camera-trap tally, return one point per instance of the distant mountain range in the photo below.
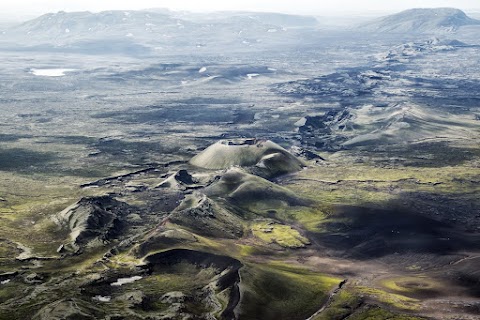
(421, 21)
(141, 31)
(164, 31)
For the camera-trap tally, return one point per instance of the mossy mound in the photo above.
(163, 239)
(222, 293)
(202, 215)
(245, 190)
(280, 291)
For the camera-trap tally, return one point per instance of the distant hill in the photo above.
(139, 32)
(73, 26)
(278, 19)
(421, 21)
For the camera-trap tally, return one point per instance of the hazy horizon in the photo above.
(22, 8)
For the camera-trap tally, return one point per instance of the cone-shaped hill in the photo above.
(265, 157)
(243, 190)
(204, 216)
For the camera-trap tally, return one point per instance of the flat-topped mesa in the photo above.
(263, 156)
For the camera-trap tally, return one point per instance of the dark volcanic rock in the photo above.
(181, 179)
(319, 131)
(185, 177)
(95, 220)
(307, 154)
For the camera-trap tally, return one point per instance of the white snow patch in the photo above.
(67, 30)
(126, 13)
(5, 281)
(102, 298)
(50, 72)
(301, 122)
(252, 75)
(129, 35)
(122, 281)
(202, 70)
(272, 30)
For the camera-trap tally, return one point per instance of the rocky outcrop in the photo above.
(321, 131)
(95, 220)
(180, 180)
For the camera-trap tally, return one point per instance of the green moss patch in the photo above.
(395, 300)
(344, 304)
(281, 291)
(378, 313)
(282, 235)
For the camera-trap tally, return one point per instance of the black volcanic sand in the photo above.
(367, 233)
(466, 273)
(400, 239)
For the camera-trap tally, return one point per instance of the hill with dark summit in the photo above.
(431, 20)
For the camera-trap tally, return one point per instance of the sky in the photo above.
(314, 7)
